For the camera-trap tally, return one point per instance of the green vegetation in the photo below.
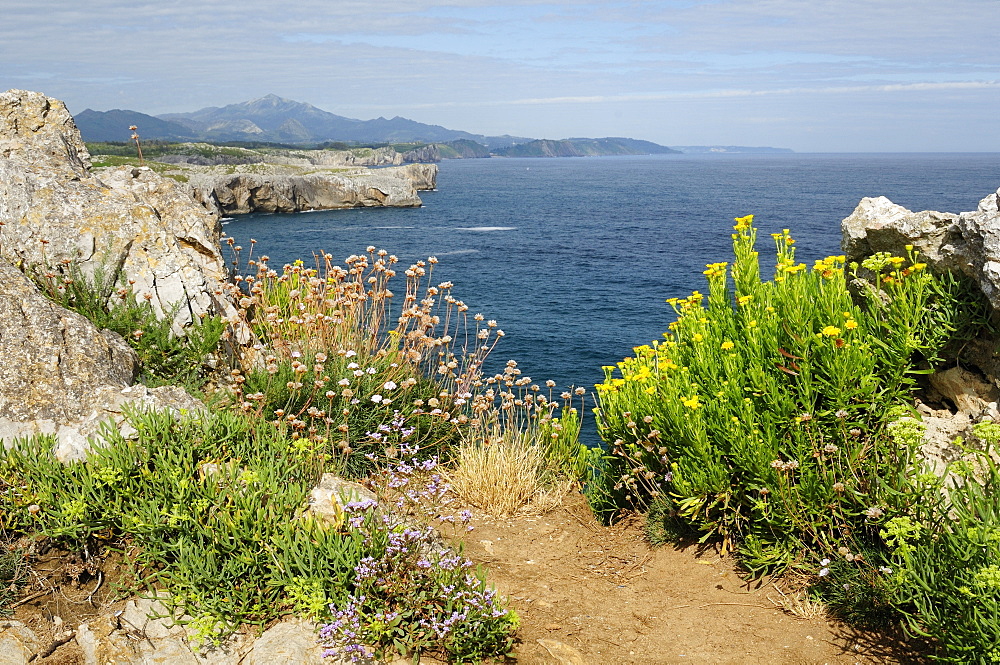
(583, 148)
(133, 160)
(771, 421)
(212, 510)
(212, 506)
(774, 420)
(164, 358)
(13, 575)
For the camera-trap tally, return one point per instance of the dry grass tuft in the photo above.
(505, 473)
(798, 604)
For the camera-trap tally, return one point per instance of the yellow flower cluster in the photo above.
(789, 266)
(716, 269)
(783, 238)
(691, 402)
(743, 223)
(830, 267)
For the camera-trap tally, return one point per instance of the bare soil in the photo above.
(605, 593)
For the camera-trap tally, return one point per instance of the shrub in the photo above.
(761, 420)
(334, 365)
(945, 568)
(212, 511)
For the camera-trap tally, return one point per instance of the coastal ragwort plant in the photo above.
(944, 566)
(760, 421)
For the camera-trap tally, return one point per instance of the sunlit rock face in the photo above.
(55, 211)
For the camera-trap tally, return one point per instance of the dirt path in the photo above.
(607, 595)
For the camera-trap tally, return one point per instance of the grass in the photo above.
(503, 474)
(13, 576)
(165, 358)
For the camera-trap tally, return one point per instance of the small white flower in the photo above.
(389, 385)
(376, 398)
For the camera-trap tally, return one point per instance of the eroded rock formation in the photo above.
(967, 243)
(61, 375)
(241, 193)
(54, 209)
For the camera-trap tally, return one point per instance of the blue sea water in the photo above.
(575, 257)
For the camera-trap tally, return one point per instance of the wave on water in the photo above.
(486, 228)
(456, 252)
(394, 227)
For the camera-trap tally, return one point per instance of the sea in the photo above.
(575, 257)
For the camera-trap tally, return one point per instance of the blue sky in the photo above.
(819, 75)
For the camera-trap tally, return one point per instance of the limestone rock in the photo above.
(967, 391)
(966, 243)
(328, 499)
(563, 654)
(243, 193)
(36, 128)
(17, 643)
(426, 154)
(879, 225)
(289, 642)
(63, 376)
(54, 360)
(131, 219)
(423, 176)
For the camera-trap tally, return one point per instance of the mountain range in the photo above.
(272, 119)
(275, 120)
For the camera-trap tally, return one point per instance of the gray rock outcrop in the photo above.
(425, 155)
(423, 176)
(143, 633)
(966, 243)
(54, 209)
(61, 375)
(18, 643)
(242, 193)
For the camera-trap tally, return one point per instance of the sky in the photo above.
(810, 75)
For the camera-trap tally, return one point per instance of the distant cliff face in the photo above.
(605, 147)
(242, 193)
